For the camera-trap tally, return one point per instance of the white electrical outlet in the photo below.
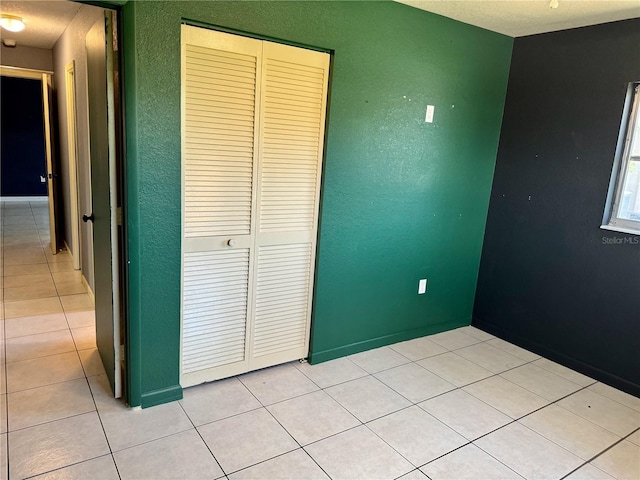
(422, 286)
(429, 116)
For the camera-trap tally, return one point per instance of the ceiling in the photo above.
(46, 20)
(517, 18)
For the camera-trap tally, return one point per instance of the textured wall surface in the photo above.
(26, 57)
(402, 199)
(71, 46)
(551, 279)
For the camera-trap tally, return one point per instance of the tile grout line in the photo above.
(202, 438)
(549, 439)
(282, 426)
(602, 453)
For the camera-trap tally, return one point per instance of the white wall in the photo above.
(71, 46)
(27, 57)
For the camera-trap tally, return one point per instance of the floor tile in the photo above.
(3, 379)
(588, 472)
(454, 339)
(43, 371)
(617, 395)
(70, 288)
(414, 382)
(101, 468)
(45, 404)
(34, 269)
(229, 396)
(91, 362)
(466, 414)
(505, 396)
(84, 337)
(602, 411)
(26, 308)
(634, 437)
(63, 277)
(413, 475)
(564, 372)
(16, 281)
(541, 382)
(18, 219)
(20, 211)
(490, 357)
(80, 301)
(183, 455)
(127, 427)
(3, 414)
(81, 318)
(332, 372)
(63, 256)
(476, 333)
(367, 398)
(279, 383)
(574, 433)
(468, 463)
(418, 348)
(41, 345)
(416, 435)
(257, 431)
(455, 369)
(527, 453)
(328, 417)
(56, 444)
(358, 453)
(4, 462)
(25, 258)
(514, 350)
(622, 461)
(378, 359)
(61, 267)
(20, 239)
(292, 465)
(21, 326)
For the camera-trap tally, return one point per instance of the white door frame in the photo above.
(72, 147)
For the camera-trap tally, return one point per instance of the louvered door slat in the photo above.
(276, 263)
(214, 309)
(219, 82)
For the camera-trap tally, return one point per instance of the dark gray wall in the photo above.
(22, 150)
(550, 279)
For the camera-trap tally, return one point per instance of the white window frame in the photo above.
(611, 221)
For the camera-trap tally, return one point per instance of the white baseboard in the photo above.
(89, 291)
(23, 199)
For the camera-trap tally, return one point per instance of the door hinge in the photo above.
(119, 215)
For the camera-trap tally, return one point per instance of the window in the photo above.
(623, 202)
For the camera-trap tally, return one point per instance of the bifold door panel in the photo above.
(253, 119)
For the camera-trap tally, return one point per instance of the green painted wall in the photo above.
(402, 199)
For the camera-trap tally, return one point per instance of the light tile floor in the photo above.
(456, 405)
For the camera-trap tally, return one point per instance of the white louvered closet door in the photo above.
(292, 124)
(252, 133)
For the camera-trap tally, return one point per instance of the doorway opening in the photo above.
(62, 296)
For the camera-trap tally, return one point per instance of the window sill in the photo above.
(615, 228)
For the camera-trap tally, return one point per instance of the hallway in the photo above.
(459, 404)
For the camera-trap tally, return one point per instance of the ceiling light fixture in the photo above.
(11, 23)
(554, 4)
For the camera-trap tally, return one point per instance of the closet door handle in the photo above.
(231, 242)
(86, 218)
